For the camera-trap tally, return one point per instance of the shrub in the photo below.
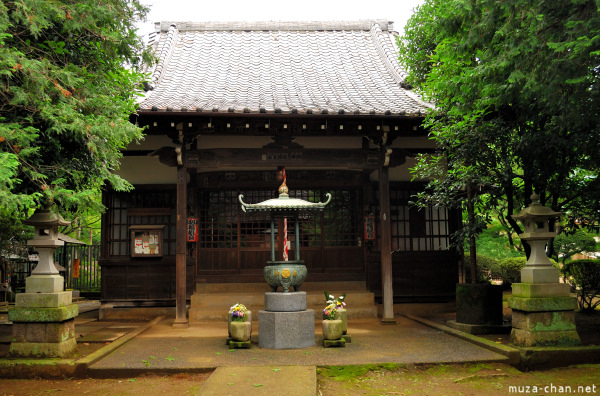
(509, 270)
(585, 276)
(486, 267)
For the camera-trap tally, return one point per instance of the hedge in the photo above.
(585, 276)
(509, 270)
(486, 267)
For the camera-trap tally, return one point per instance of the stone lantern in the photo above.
(543, 310)
(43, 316)
(536, 221)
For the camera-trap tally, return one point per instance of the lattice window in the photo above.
(223, 224)
(118, 240)
(417, 229)
(340, 226)
(218, 220)
(310, 225)
(255, 230)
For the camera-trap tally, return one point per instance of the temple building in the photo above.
(227, 107)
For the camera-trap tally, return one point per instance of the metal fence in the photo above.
(81, 269)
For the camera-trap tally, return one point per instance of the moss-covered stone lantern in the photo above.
(543, 312)
(538, 232)
(43, 317)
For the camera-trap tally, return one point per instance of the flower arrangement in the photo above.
(238, 313)
(339, 302)
(333, 304)
(330, 312)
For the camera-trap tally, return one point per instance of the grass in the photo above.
(449, 379)
(493, 242)
(349, 373)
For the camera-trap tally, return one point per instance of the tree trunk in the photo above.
(472, 241)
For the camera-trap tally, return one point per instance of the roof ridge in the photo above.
(276, 25)
(387, 51)
(165, 51)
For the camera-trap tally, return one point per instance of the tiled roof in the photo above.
(279, 67)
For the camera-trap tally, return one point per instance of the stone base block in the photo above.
(239, 344)
(544, 321)
(479, 329)
(479, 304)
(540, 290)
(546, 304)
(43, 300)
(44, 284)
(539, 274)
(526, 338)
(43, 332)
(32, 314)
(285, 302)
(43, 349)
(334, 343)
(348, 338)
(286, 330)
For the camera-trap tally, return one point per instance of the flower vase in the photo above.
(247, 318)
(332, 329)
(343, 314)
(240, 331)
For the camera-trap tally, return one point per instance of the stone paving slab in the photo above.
(105, 335)
(127, 325)
(270, 380)
(82, 330)
(201, 347)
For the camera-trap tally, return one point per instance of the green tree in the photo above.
(70, 74)
(515, 86)
(567, 245)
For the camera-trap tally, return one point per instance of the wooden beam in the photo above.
(205, 160)
(180, 249)
(386, 246)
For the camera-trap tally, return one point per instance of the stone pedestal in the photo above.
(543, 315)
(43, 324)
(286, 323)
(479, 309)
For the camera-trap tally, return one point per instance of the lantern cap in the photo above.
(536, 211)
(46, 218)
(284, 204)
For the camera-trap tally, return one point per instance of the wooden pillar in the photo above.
(386, 246)
(180, 248)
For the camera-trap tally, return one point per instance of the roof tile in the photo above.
(266, 67)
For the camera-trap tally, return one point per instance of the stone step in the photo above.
(203, 315)
(214, 306)
(346, 286)
(212, 301)
(257, 299)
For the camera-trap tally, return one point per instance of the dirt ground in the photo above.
(466, 379)
(147, 385)
(459, 379)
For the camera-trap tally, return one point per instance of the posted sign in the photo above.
(192, 229)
